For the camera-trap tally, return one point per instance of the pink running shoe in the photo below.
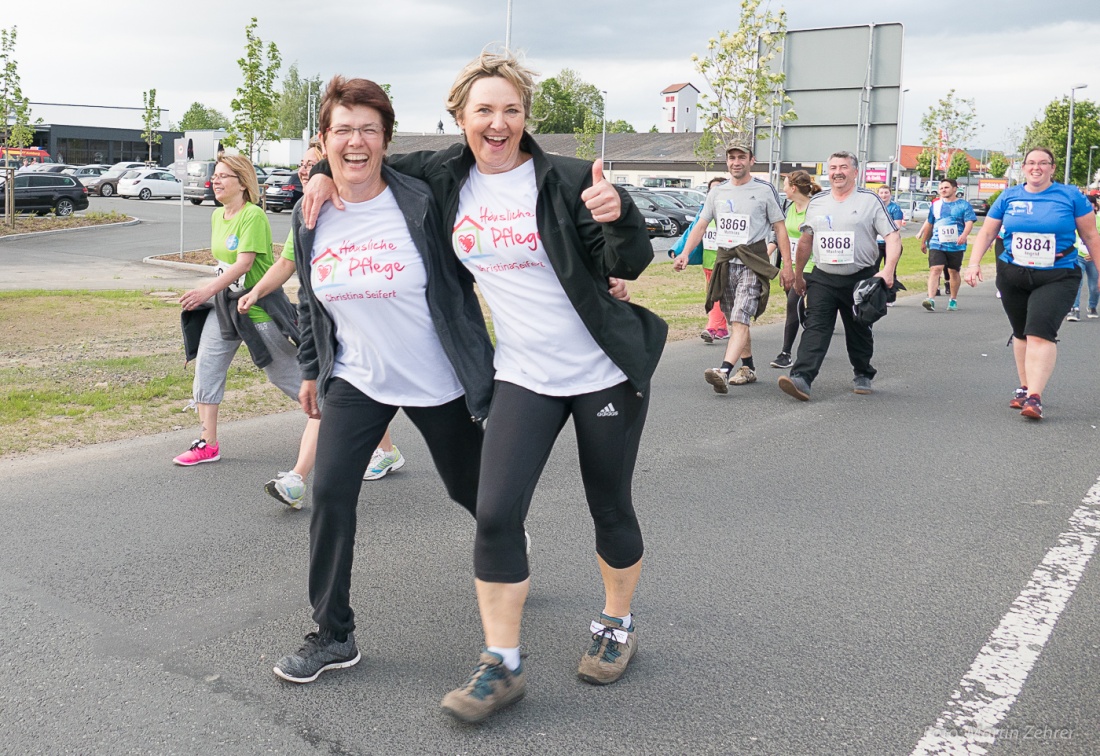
(720, 333)
(199, 452)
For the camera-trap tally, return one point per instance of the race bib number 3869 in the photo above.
(733, 229)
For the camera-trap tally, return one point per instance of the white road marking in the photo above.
(991, 686)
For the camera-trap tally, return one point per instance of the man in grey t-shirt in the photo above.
(840, 232)
(747, 211)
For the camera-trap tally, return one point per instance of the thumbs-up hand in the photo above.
(601, 199)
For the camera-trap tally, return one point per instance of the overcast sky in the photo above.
(1010, 56)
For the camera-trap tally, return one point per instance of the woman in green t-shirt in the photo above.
(240, 241)
(799, 186)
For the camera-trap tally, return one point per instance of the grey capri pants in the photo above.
(216, 354)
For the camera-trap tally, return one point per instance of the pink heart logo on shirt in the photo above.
(323, 272)
(466, 241)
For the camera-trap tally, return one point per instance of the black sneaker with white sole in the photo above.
(320, 653)
(783, 361)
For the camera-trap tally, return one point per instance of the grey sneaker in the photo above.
(320, 652)
(861, 384)
(796, 386)
(743, 375)
(706, 336)
(1074, 315)
(1093, 313)
(718, 378)
(611, 650)
(491, 687)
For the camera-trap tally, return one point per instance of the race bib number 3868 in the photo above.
(835, 247)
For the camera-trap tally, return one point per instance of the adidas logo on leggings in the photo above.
(608, 411)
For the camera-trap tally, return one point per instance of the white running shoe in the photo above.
(381, 463)
(287, 487)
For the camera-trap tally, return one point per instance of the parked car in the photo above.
(648, 202)
(42, 192)
(46, 168)
(275, 176)
(284, 195)
(689, 198)
(146, 183)
(107, 184)
(87, 173)
(197, 186)
(657, 224)
(981, 206)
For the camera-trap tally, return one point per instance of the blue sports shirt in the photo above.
(1054, 210)
(956, 214)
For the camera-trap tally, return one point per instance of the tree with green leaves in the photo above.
(1051, 130)
(200, 118)
(254, 117)
(563, 102)
(151, 120)
(959, 165)
(292, 105)
(620, 127)
(15, 109)
(706, 149)
(924, 162)
(998, 164)
(745, 90)
(948, 125)
(586, 137)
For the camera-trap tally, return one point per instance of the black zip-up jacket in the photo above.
(583, 253)
(455, 311)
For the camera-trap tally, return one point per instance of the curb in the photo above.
(178, 264)
(132, 222)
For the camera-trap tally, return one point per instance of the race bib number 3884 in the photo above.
(1034, 250)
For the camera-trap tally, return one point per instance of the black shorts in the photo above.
(949, 260)
(1036, 301)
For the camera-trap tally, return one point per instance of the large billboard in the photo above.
(845, 87)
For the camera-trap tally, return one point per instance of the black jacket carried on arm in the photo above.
(583, 252)
(455, 311)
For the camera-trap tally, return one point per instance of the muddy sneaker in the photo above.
(611, 650)
(320, 653)
(718, 378)
(383, 463)
(199, 452)
(491, 687)
(287, 487)
(744, 374)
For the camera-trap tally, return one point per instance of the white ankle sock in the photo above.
(509, 655)
(627, 621)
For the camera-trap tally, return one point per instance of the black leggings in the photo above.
(521, 432)
(790, 327)
(352, 424)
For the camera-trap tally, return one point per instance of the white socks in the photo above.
(509, 655)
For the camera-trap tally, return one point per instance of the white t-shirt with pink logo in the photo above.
(542, 344)
(369, 276)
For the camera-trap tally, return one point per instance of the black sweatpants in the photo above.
(826, 295)
(352, 424)
(790, 326)
(521, 432)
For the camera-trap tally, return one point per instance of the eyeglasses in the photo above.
(307, 164)
(223, 176)
(1040, 164)
(371, 131)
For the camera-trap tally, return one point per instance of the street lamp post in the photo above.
(603, 143)
(1088, 179)
(897, 153)
(508, 28)
(1069, 132)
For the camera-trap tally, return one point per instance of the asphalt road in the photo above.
(819, 579)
